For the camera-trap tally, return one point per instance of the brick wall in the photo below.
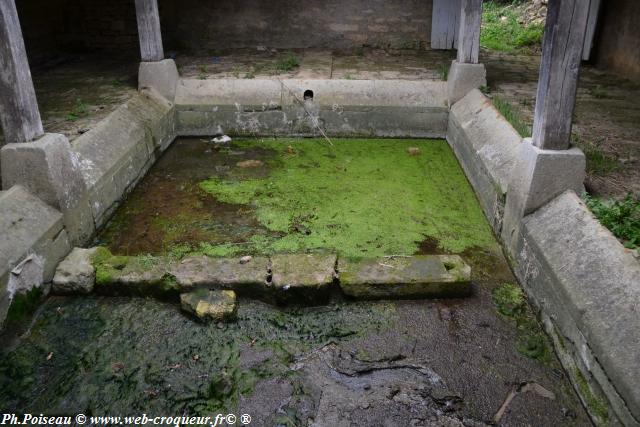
(51, 26)
(209, 25)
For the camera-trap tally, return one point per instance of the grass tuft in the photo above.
(621, 217)
(502, 30)
(513, 115)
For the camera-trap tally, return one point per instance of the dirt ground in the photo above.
(78, 91)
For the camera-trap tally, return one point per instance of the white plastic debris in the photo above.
(224, 139)
(246, 259)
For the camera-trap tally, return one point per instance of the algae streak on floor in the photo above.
(357, 197)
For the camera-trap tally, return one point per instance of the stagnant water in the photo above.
(449, 362)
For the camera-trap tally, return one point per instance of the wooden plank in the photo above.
(19, 112)
(149, 30)
(469, 35)
(594, 12)
(557, 86)
(444, 24)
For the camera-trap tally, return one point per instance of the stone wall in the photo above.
(54, 26)
(619, 38)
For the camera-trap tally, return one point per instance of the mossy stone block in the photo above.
(434, 276)
(209, 305)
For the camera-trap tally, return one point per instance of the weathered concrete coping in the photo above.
(273, 93)
(487, 148)
(120, 149)
(33, 242)
(298, 278)
(341, 108)
(589, 284)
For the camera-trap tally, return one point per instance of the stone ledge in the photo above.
(487, 147)
(585, 281)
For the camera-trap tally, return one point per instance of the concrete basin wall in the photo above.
(584, 283)
(342, 108)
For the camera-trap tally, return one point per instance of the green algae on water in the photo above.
(365, 197)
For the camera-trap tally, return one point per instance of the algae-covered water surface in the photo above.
(262, 196)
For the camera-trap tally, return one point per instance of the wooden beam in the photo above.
(592, 24)
(444, 24)
(19, 112)
(562, 49)
(149, 30)
(469, 36)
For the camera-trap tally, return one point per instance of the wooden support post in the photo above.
(149, 30)
(444, 24)
(558, 83)
(469, 36)
(19, 112)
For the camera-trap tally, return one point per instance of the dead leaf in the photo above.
(250, 164)
(413, 151)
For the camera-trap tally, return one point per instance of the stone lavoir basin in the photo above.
(310, 260)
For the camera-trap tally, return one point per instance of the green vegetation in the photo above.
(288, 62)
(24, 304)
(598, 162)
(111, 355)
(444, 71)
(513, 115)
(511, 303)
(595, 405)
(106, 263)
(80, 109)
(359, 198)
(502, 30)
(622, 217)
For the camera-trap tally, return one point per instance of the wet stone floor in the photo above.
(482, 360)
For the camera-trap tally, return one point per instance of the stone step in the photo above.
(308, 279)
(405, 277)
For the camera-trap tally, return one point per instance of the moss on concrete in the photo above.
(24, 304)
(596, 406)
(360, 198)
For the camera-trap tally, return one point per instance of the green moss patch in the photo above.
(359, 198)
(531, 341)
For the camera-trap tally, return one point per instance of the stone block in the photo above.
(30, 229)
(49, 169)
(435, 276)
(206, 305)
(584, 280)
(76, 273)
(463, 78)
(539, 176)
(303, 277)
(247, 277)
(161, 75)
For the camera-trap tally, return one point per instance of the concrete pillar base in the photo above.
(538, 177)
(463, 78)
(161, 75)
(48, 169)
